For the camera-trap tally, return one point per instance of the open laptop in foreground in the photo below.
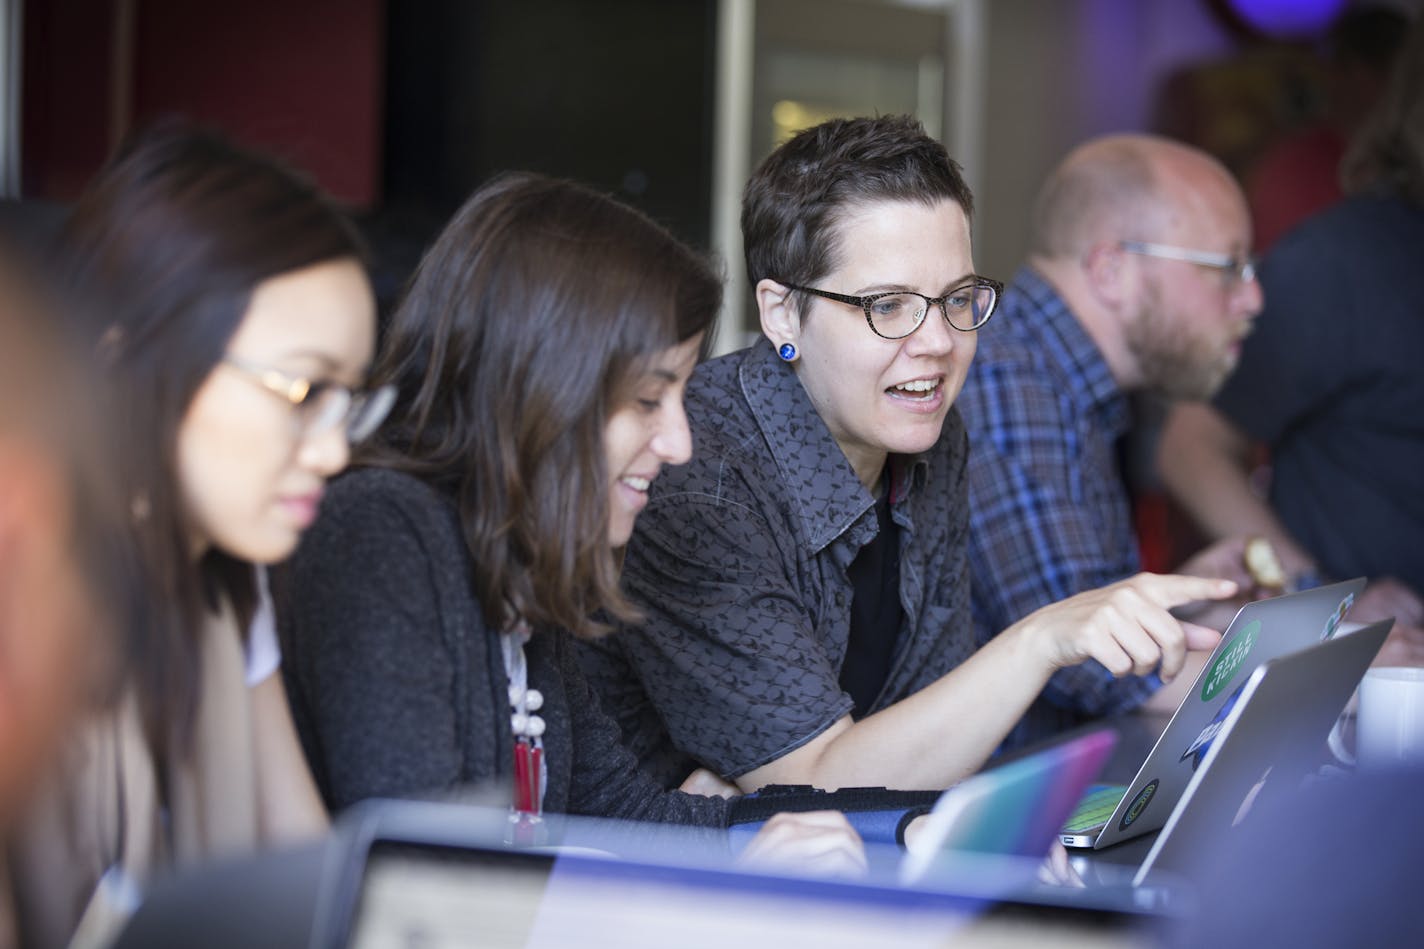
(1013, 809)
(411, 874)
(1261, 631)
(1271, 740)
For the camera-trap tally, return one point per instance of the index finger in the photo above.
(1169, 589)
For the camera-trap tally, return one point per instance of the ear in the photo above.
(1109, 275)
(779, 320)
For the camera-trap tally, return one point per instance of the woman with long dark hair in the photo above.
(227, 302)
(429, 618)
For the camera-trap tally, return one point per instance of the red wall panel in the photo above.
(64, 130)
(304, 80)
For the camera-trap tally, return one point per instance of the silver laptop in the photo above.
(1261, 631)
(1270, 741)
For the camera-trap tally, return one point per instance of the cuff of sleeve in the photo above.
(905, 820)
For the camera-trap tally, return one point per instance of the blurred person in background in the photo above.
(227, 304)
(1330, 382)
(1138, 278)
(1300, 174)
(67, 594)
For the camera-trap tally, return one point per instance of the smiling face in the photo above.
(646, 433)
(251, 478)
(877, 395)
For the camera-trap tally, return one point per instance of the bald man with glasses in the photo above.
(1138, 278)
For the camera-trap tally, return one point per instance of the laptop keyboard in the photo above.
(1096, 807)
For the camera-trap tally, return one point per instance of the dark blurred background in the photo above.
(401, 107)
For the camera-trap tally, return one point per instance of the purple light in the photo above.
(1289, 18)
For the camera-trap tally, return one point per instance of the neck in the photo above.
(869, 469)
(1103, 323)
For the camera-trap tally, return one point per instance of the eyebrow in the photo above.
(325, 363)
(903, 288)
(312, 354)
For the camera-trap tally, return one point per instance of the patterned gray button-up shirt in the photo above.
(739, 564)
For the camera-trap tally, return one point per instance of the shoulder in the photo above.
(362, 487)
(728, 446)
(377, 521)
(717, 408)
(712, 513)
(373, 501)
(1352, 228)
(1011, 359)
(1010, 385)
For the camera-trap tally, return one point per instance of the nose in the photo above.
(934, 337)
(673, 440)
(1249, 296)
(325, 453)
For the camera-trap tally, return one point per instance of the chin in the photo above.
(912, 441)
(264, 550)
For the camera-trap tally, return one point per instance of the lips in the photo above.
(633, 490)
(302, 508)
(917, 388)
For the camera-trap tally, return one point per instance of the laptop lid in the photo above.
(414, 873)
(1261, 630)
(1013, 809)
(1270, 740)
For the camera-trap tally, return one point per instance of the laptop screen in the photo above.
(424, 893)
(417, 895)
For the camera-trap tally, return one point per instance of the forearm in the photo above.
(605, 780)
(1205, 463)
(1125, 626)
(928, 740)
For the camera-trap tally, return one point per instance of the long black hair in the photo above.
(162, 255)
(524, 328)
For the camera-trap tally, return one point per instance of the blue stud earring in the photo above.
(787, 352)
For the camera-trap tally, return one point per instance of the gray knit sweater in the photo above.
(398, 687)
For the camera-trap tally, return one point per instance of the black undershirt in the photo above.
(875, 612)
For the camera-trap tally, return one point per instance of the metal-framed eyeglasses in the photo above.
(1235, 269)
(898, 313)
(322, 406)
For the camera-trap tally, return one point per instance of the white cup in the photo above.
(1389, 725)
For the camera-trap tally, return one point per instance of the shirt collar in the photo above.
(1037, 308)
(818, 477)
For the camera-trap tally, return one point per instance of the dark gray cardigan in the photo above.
(398, 687)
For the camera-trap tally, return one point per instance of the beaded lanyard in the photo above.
(528, 729)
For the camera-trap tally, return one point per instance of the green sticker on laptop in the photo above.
(1231, 658)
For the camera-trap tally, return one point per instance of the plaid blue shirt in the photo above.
(1049, 512)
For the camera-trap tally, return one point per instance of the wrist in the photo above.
(1034, 646)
